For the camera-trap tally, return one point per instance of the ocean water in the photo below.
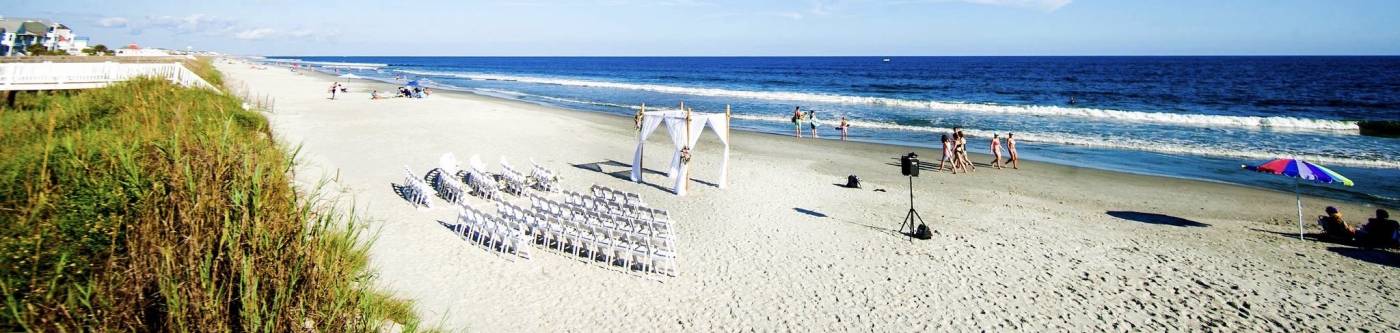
(1190, 117)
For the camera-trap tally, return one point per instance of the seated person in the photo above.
(1379, 231)
(374, 94)
(1333, 226)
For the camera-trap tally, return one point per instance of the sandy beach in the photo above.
(1044, 248)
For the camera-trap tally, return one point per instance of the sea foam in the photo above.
(1198, 120)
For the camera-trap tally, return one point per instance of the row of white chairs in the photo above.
(505, 234)
(611, 219)
(415, 190)
(603, 205)
(597, 236)
(446, 185)
(480, 181)
(545, 179)
(515, 182)
(617, 196)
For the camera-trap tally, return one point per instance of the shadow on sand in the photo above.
(1347, 248)
(1374, 256)
(626, 173)
(809, 212)
(1154, 218)
(1312, 236)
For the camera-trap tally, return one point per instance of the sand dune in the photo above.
(1047, 247)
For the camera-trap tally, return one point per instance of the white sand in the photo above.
(1033, 249)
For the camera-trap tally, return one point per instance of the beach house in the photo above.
(17, 34)
(133, 50)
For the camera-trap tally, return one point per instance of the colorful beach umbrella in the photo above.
(1300, 170)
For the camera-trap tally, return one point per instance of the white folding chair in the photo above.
(415, 190)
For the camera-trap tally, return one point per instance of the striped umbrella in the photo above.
(1300, 170)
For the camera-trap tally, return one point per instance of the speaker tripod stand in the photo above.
(912, 215)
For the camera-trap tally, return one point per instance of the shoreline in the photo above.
(1375, 201)
(785, 248)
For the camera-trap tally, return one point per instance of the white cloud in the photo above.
(112, 22)
(254, 34)
(1043, 5)
(319, 35)
(193, 23)
(1046, 5)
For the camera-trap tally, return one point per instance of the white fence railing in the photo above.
(51, 76)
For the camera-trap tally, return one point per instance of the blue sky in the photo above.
(725, 27)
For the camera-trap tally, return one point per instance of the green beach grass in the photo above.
(145, 206)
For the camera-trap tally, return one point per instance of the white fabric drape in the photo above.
(721, 127)
(649, 124)
(676, 127)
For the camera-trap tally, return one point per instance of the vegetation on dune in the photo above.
(145, 206)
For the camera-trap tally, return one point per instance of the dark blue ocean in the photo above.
(1190, 117)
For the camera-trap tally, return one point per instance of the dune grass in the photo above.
(145, 206)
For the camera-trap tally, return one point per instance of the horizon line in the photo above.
(848, 56)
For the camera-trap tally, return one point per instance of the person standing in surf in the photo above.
(797, 121)
(1011, 148)
(812, 121)
(843, 127)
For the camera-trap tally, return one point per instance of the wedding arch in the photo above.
(684, 127)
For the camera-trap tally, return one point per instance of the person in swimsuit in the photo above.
(1011, 148)
(812, 121)
(961, 149)
(947, 156)
(844, 125)
(996, 150)
(797, 121)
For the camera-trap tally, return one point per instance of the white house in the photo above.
(133, 50)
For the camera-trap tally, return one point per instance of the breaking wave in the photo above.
(1201, 120)
(1114, 143)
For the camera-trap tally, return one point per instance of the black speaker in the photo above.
(909, 165)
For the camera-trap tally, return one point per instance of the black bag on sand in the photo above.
(852, 181)
(922, 232)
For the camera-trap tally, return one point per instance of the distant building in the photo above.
(17, 34)
(133, 50)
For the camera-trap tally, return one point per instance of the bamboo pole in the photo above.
(641, 145)
(685, 166)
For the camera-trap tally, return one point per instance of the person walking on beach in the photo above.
(960, 148)
(812, 122)
(797, 121)
(1011, 148)
(956, 160)
(947, 156)
(843, 127)
(334, 87)
(996, 150)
